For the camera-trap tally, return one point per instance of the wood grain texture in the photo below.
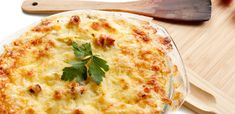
(187, 10)
(204, 98)
(209, 48)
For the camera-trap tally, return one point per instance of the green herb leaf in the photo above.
(96, 66)
(77, 71)
(83, 50)
(96, 69)
(101, 63)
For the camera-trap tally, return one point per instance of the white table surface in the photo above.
(13, 19)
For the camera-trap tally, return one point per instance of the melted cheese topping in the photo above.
(137, 82)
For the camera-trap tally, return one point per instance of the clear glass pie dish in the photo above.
(178, 80)
(181, 80)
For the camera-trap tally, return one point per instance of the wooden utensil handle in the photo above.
(167, 9)
(50, 6)
(222, 104)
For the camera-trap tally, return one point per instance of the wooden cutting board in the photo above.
(209, 48)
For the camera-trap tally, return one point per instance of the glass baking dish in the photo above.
(174, 54)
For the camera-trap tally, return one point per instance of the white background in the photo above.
(13, 19)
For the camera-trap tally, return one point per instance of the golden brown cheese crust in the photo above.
(30, 68)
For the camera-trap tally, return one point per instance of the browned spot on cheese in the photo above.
(30, 73)
(82, 89)
(104, 41)
(51, 43)
(27, 73)
(14, 53)
(47, 44)
(3, 110)
(30, 111)
(102, 24)
(124, 84)
(42, 53)
(151, 82)
(5, 106)
(45, 26)
(75, 89)
(35, 89)
(166, 100)
(78, 111)
(156, 112)
(17, 43)
(154, 86)
(126, 51)
(150, 103)
(175, 70)
(96, 26)
(161, 52)
(166, 42)
(41, 29)
(74, 20)
(142, 65)
(146, 89)
(150, 28)
(177, 95)
(3, 72)
(57, 94)
(143, 95)
(139, 34)
(160, 90)
(155, 68)
(37, 41)
(149, 60)
(73, 84)
(100, 41)
(2, 84)
(107, 26)
(145, 54)
(109, 41)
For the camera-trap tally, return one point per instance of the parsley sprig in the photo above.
(87, 64)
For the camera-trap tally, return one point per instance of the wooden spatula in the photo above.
(184, 10)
